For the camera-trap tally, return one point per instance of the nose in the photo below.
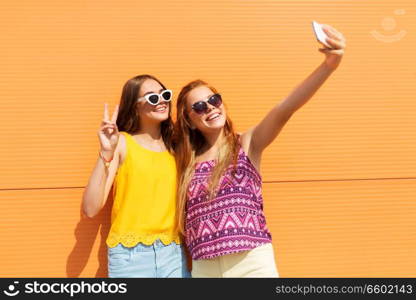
(210, 107)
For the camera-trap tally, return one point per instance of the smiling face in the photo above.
(211, 120)
(148, 112)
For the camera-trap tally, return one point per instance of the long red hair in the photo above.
(189, 142)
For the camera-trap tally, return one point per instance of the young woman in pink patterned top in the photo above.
(220, 203)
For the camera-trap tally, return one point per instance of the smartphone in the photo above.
(319, 33)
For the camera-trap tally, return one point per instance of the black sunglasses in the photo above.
(201, 107)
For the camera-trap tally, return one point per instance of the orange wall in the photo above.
(339, 181)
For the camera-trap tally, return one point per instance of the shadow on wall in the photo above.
(86, 233)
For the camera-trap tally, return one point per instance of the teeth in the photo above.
(161, 109)
(214, 116)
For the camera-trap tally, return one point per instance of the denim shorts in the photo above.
(153, 261)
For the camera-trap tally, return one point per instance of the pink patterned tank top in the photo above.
(231, 222)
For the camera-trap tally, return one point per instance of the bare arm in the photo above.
(267, 130)
(96, 192)
(99, 184)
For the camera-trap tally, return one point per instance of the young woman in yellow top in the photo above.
(136, 155)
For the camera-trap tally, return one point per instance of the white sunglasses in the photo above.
(155, 98)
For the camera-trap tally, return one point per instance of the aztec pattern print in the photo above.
(231, 222)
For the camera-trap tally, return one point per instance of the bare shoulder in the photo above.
(245, 139)
(252, 153)
(121, 147)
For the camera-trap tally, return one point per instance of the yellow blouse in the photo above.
(144, 197)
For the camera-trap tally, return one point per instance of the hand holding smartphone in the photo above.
(320, 35)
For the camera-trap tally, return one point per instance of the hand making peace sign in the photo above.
(108, 132)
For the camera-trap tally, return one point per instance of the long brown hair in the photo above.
(189, 142)
(128, 118)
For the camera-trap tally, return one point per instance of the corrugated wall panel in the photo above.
(43, 235)
(353, 228)
(60, 61)
(349, 228)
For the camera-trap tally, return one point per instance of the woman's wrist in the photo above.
(327, 67)
(106, 156)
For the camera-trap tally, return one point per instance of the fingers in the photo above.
(110, 129)
(326, 27)
(115, 114)
(335, 44)
(333, 33)
(105, 112)
(331, 51)
(107, 126)
(105, 123)
(115, 129)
